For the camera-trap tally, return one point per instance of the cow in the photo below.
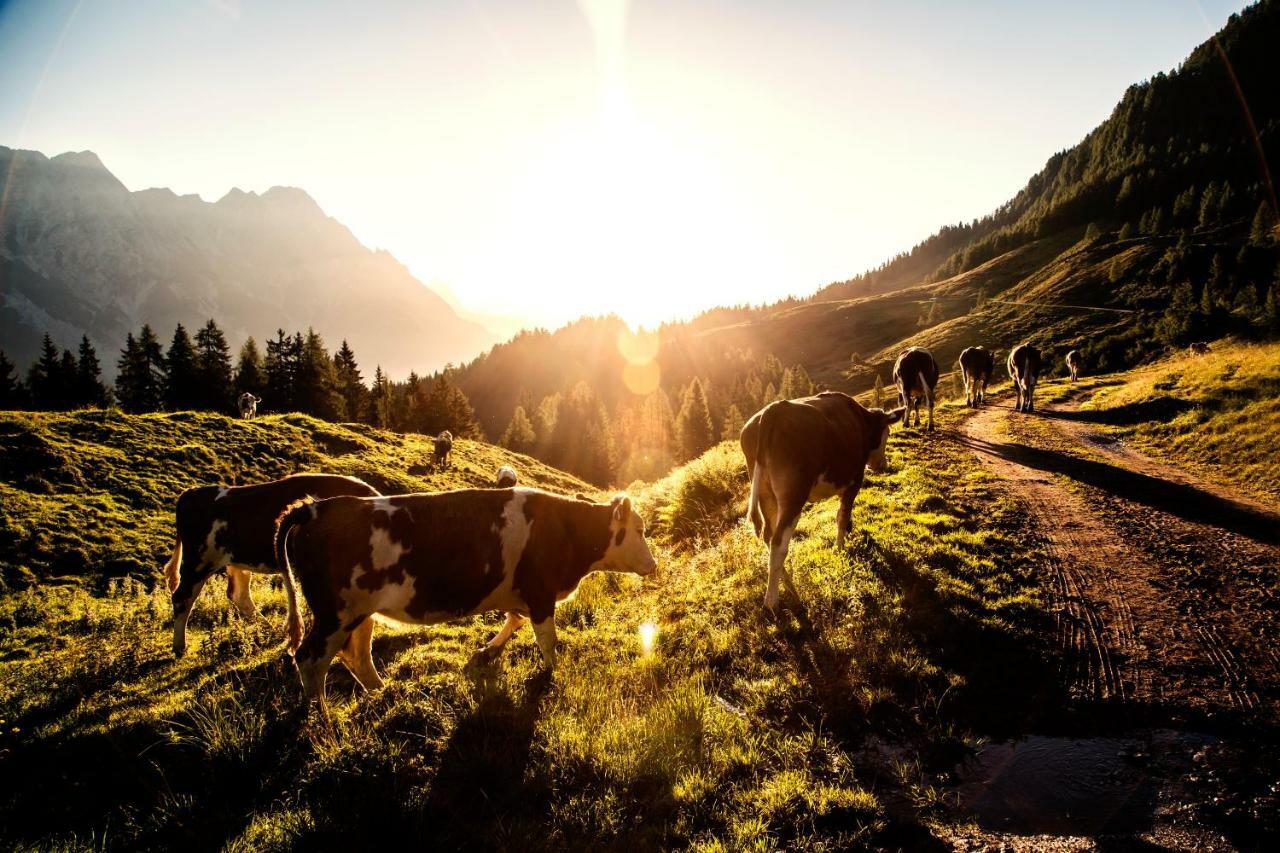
(506, 478)
(249, 405)
(805, 450)
(1073, 364)
(916, 375)
(430, 558)
(443, 447)
(976, 366)
(1198, 348)
(232, 528)
(1024, 370)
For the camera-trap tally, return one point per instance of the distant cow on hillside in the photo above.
(976, 366)
(443, 448)
(430, 558)
(249, 405)
(804, 450)
(232, 528)
(506, 478)
(916, 375)
(1073, 364)
(1198, 348)
(1024, 370)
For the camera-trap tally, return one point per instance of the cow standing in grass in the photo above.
(916, 375)
(1198, 348)
(506, 478)
(443, 447)
(976, 366)
(805, 450)
(1073, 364)
(233, 528)
(1024, 370)
(249, 405)
(429, 558)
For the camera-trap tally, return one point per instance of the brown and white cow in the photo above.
(1024, 370)
(976, 366)
(506, 478)
(233, 528)
(1198, 348)
(804, 450)
(1073, 364)
(249, 405)
(916, 375)
(429, 558)
(443, 447)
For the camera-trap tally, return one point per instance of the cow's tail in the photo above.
(171, 568)
(763, 436)
(298, 513)
(925, 389)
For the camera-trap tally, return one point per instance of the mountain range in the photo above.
(81, 254)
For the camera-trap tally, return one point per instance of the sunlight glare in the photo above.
(648, 637)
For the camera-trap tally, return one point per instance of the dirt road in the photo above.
(1165, 586)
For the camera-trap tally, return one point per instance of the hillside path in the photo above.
(1164, 586)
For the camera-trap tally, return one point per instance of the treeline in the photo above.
(295, 373)
(640, 437)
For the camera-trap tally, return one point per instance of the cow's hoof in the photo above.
(179, 651)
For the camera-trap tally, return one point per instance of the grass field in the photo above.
(1218, 414)
(827, 728)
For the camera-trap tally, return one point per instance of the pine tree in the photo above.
(1208, 205)
(1263, 230)
(213, 369)
(733, 423)
(182, 389)
(380, 400)
(350, 384)
(44, 379)
(314, 386)
(140, 377)
(89, 390)
(878, 392)
(251, 376)
(1126, 232)
(281, 368)
(519, 435)
(694, 432)
(581, 440)
(10, 396)
(1091, 232)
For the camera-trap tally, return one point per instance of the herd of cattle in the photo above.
(432, 557)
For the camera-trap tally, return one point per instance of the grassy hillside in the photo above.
(1218, 414)
(92, 493)
(821, 730)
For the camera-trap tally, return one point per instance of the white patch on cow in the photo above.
(385, 552)
(213, 555)
(222, 493)
(823, 489)
(633, 555)
(514, 532)
(385, 505)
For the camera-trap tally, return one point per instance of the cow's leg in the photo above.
(313, 659)
(357, 656)
(844, 516)
(778, 547)
(184, 598)
(238, 591)
(494, 647)
(544, 632)
(929, 399)
(768, 509)
(1031, 392)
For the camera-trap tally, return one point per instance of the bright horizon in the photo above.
(550, 160)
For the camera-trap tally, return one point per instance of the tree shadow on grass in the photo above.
(1180, 499)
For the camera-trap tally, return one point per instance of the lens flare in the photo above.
(648, 637)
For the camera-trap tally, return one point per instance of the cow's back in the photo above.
(912, 364)
(977, 361)
(812, 437)
(1024, 362)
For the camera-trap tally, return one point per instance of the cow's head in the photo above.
(627, 550)
(882, 421)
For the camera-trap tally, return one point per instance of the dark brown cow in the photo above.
(916, 375)
(803, 450)
(1198, 348)
(976, 366)
(1024, 370)
(233, 528)
(1073, 364)
(428, 558)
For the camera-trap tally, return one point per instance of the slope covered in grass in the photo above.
(1218, 413)
(92, 492)
(818, 729)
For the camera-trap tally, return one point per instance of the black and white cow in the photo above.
(805, 450)
(506, 478)
(429, 558)
(249, 405)
(916, 375)
(1024, 370)
(233, 528)
(443, 447)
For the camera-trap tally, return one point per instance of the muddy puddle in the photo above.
(1080, 786)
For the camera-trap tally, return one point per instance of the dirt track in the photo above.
(1164, 585)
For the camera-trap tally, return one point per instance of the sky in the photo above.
(544, 160)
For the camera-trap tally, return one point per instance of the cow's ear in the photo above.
(580, 496)
(895, 415)
(622, 507)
